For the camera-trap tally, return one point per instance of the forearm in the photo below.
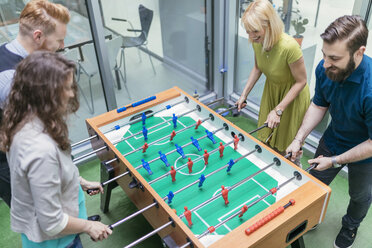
(95, 186)
(313, 117)
(76, 225)
(83, 183)
(357, 153)
(95, 229)
(291, 95)
(252, 79)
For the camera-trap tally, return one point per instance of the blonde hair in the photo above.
(261, 15)
(42, 14)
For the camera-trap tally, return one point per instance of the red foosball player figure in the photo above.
(221, 148)
(173, 174)
(144, 147)
(206, 156)
(198, 124)
(172, 135)
(244, 209)
(236, 141)
(187, 214)
(190, 164)
(225, 192)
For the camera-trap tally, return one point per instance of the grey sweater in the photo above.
(44, 182)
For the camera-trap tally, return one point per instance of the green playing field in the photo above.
(216, 211)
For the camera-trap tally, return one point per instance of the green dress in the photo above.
(279, 80)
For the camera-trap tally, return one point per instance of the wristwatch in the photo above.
(278, 112)
(334, 163)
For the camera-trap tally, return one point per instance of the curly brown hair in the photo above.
(38, 89)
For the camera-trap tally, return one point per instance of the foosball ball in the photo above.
(201, 181)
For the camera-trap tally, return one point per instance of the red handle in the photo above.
(264, 220)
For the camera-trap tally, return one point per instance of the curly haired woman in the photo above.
(48, 205)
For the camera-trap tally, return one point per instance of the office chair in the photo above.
(73, 54)
(114, 46)
(146, 16)
(89, 67)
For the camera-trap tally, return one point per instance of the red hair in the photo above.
(43, 15)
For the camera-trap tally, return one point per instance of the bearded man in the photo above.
(344, 87)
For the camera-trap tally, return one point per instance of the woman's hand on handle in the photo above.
(272, 120)
(93, 187)
(241, 103)
(98, 231)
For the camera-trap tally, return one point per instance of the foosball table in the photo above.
(201, 181)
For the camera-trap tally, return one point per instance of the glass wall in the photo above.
(78, 47)
(369, 42)
(169, 52)
(319, 15)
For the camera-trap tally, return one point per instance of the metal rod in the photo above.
(286, 182)
(89, 153)
(312, 166)
(259, 128)
(114, 178)
(132, 215)
(84, 140)
(214, 101)
(185, 245)
(227, 110)
(112, 160)
(149, 234)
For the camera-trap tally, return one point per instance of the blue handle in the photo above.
(143, 101)
(121, 109)
(136, 104)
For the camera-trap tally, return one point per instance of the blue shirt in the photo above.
(64, 241)
(6, 77)
(350, 106)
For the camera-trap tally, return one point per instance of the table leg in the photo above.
(107, 172)
(298, 243)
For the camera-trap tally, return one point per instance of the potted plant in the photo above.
(298, 25)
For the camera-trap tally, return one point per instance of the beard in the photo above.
(45, 46)
(338, 74)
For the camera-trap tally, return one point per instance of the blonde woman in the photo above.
(286, 96)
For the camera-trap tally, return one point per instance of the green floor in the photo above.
(120, 206)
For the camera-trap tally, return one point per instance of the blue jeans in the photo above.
(360, 186)
(76, 243)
